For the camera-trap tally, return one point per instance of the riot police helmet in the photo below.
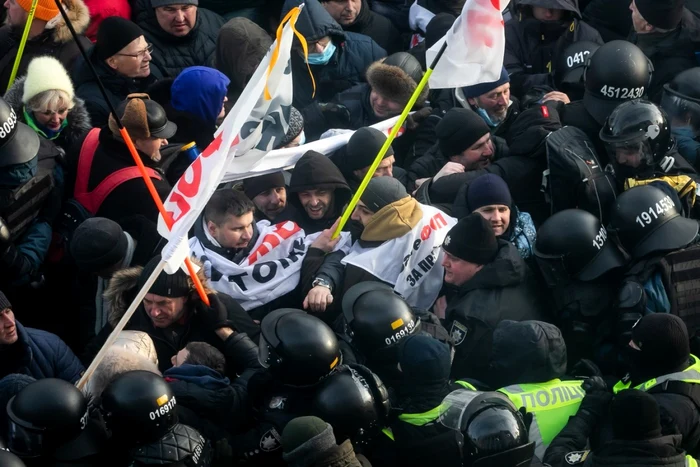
(494, 430)
(297, 348)
(585, 253)
(354, 401)
(568, 68)
(376, 318)
(181, 446)
(139, 407)
(618, 71)
(43, 416)
(647, 220)
(638, 137)
(18, 142)
(681, 99)
(7, 459)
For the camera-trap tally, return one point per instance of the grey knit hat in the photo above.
(296, 126)
(304, 439)
(381, 192)
(158, 3)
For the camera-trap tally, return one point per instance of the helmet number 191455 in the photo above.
(661, 208)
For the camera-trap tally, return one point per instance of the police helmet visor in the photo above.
(552, 268)
(454, 407)
(681, 109)
(632, 154)
(23, 438)
(265, 352)
(609, 258)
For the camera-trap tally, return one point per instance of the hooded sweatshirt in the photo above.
(200, 91)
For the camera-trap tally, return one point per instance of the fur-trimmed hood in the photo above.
(394, 83)
(78, 118)
(79, 16)
(122, 290)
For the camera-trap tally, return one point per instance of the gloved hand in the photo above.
(597, 398)
(336, 115)
(527, 416)
(417, 117)
(585, 368)
(214, 316)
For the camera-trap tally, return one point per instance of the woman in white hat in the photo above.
(45, 100)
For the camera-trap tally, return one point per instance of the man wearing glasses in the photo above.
(121, 56)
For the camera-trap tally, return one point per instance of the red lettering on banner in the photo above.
(182, 205)
(273, 239)
(436, 222)
(190, 189)
(425, 233)
(482, 27)
(496, 4)
(286, 233)
(213, 147)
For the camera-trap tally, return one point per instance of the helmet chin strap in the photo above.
(667, 163)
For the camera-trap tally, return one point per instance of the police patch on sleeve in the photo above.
(458, 332)
(270, 441)
(576, 457)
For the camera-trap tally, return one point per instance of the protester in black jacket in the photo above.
(536, 36)
(356, 16)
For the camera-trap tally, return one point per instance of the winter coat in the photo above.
(211, 398)
(172, 54)
(532, 45)
(40, 355)
(312, 171)
(355, 100)
(686, 144)
(57, 42)
(101, 9)
(240, 47)
(346, 68)
(78, 119)
(122, 289)
(117, 87)
(611, 18)
(503, 289)
(377, 27)
(670, 52)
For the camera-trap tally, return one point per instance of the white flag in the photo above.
(255, 124)
(475, 46)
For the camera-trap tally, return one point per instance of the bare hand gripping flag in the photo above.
(475, 47)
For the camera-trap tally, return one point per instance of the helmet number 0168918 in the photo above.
(622, 93)
(645, 217)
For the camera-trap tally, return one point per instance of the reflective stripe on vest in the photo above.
(465, 385)
(689, 375)
(421, 419)
(551, 404)
(388, 433)
(690, 461)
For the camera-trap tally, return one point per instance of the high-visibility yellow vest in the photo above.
(551, 404)
(689, 375)
(690, 461)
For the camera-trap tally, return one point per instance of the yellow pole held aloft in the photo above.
(22, 43)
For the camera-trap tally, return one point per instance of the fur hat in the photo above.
(44, 74)
(396, 78)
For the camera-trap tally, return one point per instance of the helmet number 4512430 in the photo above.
(622, 93)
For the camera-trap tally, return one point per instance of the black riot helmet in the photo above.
(138, 408)
(376, 317)
(43, 416)
(569, 66)
(18, 142)
(7, 459)
(354, 401)
(618, 71)
(495, 433)
(681, 99)
(297, 348)
(638, 137)
(646, 220)
(584, 253)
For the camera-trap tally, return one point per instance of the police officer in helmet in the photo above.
(298, 351)
(681, 102)
(639, 143)
(49, 425)
(581, 270)
(140, 411)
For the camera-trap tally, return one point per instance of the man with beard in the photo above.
(269, 194)
(356, 16)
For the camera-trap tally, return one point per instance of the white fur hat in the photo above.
(43, 74)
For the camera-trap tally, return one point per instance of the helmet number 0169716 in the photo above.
(622, 93)
(645, 217)
(163, 409)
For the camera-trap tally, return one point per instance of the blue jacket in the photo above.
(346, 68)
(686, 144)
(45, 355)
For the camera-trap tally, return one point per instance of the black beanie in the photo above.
(363, 147)
(664, 14)
(114, 34)
(663, 341)
(635, 416)
(98, 243)
(425, 359)
(458, 130)
(256, 185)
(166, 285)
(381, 192)
(487, 190)
(472, 239)
(4, 302)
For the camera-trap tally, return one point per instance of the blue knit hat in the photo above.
(425, 359)
(487, 190)
(200, 90)
(480, 89)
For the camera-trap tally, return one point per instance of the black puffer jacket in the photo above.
(173, 54)
(117, 87)
(346, 68)
(78, 118)
(532, 45)
(610, 18)
(378, 27)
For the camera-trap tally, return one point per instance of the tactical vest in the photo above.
(551, 404)
(21, 205)
(690, 375)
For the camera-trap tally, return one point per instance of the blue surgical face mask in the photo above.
(323, 57)
(483, 114)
